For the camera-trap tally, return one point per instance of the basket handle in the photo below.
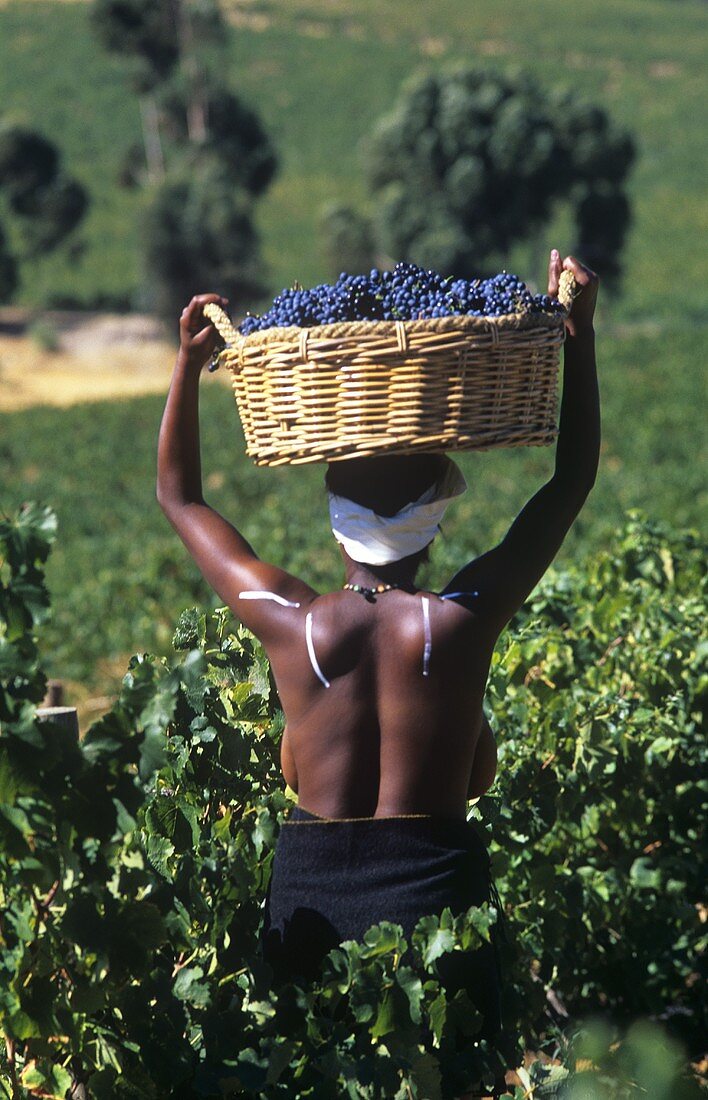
(222, 323)
(568, 289)
(223, 326)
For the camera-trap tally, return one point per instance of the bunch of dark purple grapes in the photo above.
(407, 293)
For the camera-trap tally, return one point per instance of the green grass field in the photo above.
(321, 74)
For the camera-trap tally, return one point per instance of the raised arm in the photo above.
(578, 443)
(507, 574)
(226, 560)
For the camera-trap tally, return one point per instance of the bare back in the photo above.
(396, 730)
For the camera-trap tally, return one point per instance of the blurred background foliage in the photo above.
(40, 204)
(320, 78)
(470, 162)
(204, 155)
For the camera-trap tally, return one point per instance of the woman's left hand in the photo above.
(198, 337)
(580, 319)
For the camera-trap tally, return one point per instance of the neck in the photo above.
(370, 575)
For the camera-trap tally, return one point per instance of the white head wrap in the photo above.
(378, 540)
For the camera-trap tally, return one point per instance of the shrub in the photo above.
(599, 692)
(471, 161)
(44, 204)
(133, 862)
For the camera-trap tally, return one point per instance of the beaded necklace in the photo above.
(368, 592)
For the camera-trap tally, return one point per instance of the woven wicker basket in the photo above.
(374, 387)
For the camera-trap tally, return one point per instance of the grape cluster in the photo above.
(407, 293)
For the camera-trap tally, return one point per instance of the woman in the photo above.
(382, 684)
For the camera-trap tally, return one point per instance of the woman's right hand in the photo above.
(198, 337)
(582, 310)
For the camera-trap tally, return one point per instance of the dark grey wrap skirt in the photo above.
(333, 878)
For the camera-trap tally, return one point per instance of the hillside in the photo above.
(321, 74)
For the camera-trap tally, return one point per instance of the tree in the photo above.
(471, 161)
(198, 232)
(234, 135)
(206, 156)
(348, 240)
(159, 37)
(9, 277)
(43, 202)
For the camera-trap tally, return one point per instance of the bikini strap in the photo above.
(267, 596)
(311, 651)
(426, 634)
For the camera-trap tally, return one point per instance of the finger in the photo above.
(206, 341)
(203, 299)
(189, 322)
(193, 314)
(190, 311)
(198, 302)
(554, 270)
(193, 319)
(205, 335)
(583, 275)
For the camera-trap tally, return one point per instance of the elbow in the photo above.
(588, 484)
(170, 494)
(577, 484)
(167, 501)
(161, 481)
(174, 505)
(162, 496)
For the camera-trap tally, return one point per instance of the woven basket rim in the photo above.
(458, 322)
